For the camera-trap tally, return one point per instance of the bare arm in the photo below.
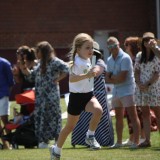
(75, 78)
(154, 47)
(108, 77)
(18, 119)
(144, 87)
(154, 79)
(98, 69)
(156, 51)
(137, 76)
(62, 76)
(116, 79)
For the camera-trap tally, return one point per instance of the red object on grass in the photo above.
(26, 97)
(11, 126)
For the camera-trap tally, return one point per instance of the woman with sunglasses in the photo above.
(147, 70)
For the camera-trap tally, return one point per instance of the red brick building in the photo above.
(58, 21)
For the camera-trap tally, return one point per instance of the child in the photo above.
(104, 132)
(19, 118)
(81, 94)
(22, 116)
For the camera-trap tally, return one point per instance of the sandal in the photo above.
(145, 144)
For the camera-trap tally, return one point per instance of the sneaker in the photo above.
(116, 145)
(141, 140)
(91, 141)
(54, 156)
(145, 144)
(42, 145)
(127, 143)
(134, 146)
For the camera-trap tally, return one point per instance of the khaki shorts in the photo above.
(4, 106)
(127, 101)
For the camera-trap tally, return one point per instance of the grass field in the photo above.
(83, 153)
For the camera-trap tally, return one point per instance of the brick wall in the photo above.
(58, 21)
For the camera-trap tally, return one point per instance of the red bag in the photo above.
(26, 97)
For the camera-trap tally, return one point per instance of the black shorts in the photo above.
(78, 102)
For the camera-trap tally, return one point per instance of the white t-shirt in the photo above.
(81, 66)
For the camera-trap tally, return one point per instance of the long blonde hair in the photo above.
(78, 41)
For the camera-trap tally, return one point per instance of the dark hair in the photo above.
(23, 50)
(30, 56)
(29, 52)
(46, 51)
(144, 54)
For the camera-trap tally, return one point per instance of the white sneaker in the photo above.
(91, 141)
(54, 156)
(42, 145)
(116, 145)
(127, 143)
(141, 140)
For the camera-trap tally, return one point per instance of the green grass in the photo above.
(83, 153)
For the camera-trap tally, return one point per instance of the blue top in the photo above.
(122, 62)
(6, 77)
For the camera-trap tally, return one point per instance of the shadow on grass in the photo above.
(155, 148)
(76, 147)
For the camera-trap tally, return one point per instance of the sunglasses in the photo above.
(147, 39)
(112, 46)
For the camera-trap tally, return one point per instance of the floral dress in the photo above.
(47, 104)
(152, 96)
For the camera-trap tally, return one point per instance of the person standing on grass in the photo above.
(132, 48)
(47, 74)
(120, 73)
(81, 94)
(147, 95)
(6, 83)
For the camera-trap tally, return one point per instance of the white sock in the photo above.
(89, 132)
(57, 150)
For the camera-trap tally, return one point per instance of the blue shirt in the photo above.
(6, 77)
(122, 62)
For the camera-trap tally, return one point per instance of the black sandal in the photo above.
(144, 144)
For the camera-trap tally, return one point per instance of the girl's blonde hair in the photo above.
(78, 41)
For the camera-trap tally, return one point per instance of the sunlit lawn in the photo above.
(83, 153)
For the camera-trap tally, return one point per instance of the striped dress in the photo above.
(104, 133)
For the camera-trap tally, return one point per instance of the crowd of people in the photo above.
(136, 92)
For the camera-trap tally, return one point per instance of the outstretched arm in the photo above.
(154, 47)
(76, 78)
